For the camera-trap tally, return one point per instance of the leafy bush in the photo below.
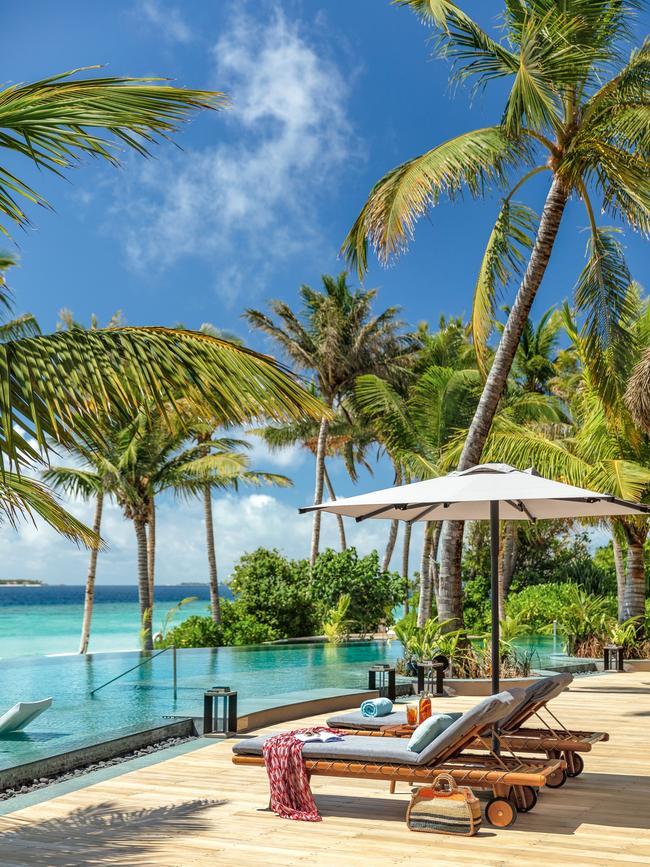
(476, 603)
(539, 605)
(275, 592)
(337, 626)
(195, 631)
(240, 627)
(373, 593)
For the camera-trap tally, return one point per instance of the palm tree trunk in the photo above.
(215, 604)
(634, 597)
(339, 518)
(390, 545)
(140, 527)
(151, 551)
(89, 597)
(321, 448)
(495, 383)
(619, 566)
(406, 550)
(511, 546)
(435, 565)
(450, 601)
(424, 607)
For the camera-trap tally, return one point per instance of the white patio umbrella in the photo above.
(486, 491)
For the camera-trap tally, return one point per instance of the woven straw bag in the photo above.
(444, 808)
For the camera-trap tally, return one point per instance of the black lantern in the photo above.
(382, 678)
(613, 657)
(220, 711)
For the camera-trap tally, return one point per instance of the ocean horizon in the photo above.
(46, 619)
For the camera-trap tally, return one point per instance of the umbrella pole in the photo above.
(494, 562)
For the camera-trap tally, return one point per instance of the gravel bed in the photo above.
(42, 782)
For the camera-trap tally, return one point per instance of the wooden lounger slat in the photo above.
(460, 770)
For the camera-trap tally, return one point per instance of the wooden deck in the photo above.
(199, 809)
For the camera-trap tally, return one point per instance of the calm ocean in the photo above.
(40, 620)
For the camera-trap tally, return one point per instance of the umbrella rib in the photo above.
(426, 511)
(376, 512)
(521, 507)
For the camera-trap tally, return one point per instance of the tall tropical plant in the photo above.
(136, 462)
(336, 337)
(574, 109)
(599, 449)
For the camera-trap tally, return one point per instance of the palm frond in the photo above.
(602, 294)
(473, 161)
(55, 121)
(504, 257)
(22, 497)
(74, 481)
(68, 378)
(21, 326)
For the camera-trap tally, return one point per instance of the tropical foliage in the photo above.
(575, 106)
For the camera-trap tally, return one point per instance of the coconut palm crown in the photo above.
(576, 109)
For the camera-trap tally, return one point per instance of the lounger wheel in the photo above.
(524, 797)
(500, 812)
(556, 779)
(575, 765)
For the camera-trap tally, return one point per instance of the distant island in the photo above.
(21, 582)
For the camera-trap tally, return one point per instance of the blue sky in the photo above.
(327, 96)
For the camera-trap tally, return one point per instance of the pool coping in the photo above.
(48, 793)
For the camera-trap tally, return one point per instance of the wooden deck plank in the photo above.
(198, 808)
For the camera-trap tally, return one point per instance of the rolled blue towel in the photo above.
(376, 707)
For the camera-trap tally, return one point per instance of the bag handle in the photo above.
(448, 780)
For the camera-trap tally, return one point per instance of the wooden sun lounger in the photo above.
(512, 780)
(552, 739)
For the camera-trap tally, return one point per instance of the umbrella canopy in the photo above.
(523, 495)
(487, 491)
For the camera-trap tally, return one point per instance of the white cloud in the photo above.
(167, 20)
(242, 523)
(249, 203)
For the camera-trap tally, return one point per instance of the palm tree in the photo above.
(413, 426)
(233, 475)
(575, 110)
(337, 338)
(601, 449)
(55, 121)
(346, 439)
(136, 462)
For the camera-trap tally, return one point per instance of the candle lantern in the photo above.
(220, 711)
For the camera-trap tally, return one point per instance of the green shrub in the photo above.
(240, 627)
(275, 592)
(195, 631)
(539, 605)
(373, 593)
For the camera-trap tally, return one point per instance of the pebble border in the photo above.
(42, 782)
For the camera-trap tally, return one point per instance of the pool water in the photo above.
(143, 697)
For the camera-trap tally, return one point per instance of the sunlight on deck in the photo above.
(200, 809)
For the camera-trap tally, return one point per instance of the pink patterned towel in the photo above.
(291, 796)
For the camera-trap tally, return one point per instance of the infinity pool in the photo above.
(143, 697)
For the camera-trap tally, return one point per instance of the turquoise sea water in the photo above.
(47, 619)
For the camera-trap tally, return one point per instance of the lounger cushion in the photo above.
(543, 689)
(394, 751)
(486, 713)
(355, 720)
(363, 748)
(428, 730)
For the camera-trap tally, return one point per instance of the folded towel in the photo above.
(376, 707)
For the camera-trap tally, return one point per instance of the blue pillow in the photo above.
(429, 730)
